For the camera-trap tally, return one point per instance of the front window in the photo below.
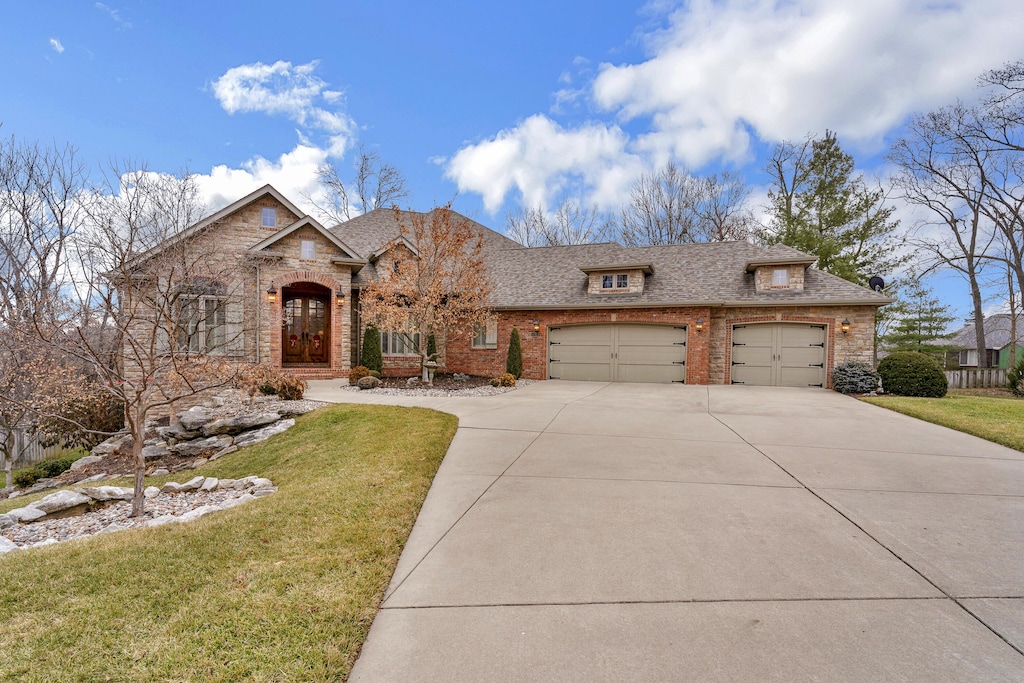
(486, 336)
(202, 323)
(398, 344)
(268, 218)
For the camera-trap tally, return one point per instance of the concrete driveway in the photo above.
(592, 532)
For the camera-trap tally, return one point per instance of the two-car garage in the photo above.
(762, 354)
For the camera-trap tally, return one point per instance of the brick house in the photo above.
(715, 313)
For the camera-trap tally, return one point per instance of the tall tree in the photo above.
(671, 206)
(432, 282)
(572, 222)
(920, 322)
(376, 185)
(820, 205)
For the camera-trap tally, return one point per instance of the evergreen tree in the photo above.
(431, 347)
(920, 323)
(371, 357)
(819, 205)
(514, 361)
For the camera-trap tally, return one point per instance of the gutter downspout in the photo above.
(259, 313)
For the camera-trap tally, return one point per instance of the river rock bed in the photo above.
(447, 390)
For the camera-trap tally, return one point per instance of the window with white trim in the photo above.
(307, 250)
(486, 336)
(268, 218)
(398, 344)
(622, 281)
(780, 277)
(202, 318)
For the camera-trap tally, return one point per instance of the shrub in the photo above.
(83, 417)
(368, 382)
(357, 373)
(53, 468)
(370, 356)
(852, 377)
(290, 388)
(28, 476)
(1015, 378)
(506, 380)
(909, 373)
(514, 361)
(270, 381)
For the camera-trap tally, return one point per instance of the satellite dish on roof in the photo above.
(876, 283)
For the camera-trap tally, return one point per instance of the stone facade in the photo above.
(763, 276)
(636, 282)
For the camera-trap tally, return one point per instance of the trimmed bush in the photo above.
(290, 388)
(357, 373)
(28, 476)
(370, 356)
(368, 382)
(270, 381)
(909, 373)
(506, 380)
(1015, 378)
(56, 467)
(852, 377)
(514, 361)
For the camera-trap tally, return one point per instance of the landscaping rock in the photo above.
(6, 546)
(198, 512)
(258, 435)
(261, 483)
(108, 492)
(235, 502)
(61, 500)
(199, 462)
(265, 491)
(161, 520)
(111, 445)
(6, 521)
(87, 460)
(225, 484)
(239, 423)
(210, 484)
(199, 446)
(368, 382)
(24, 515)
(151, 492)
(96, 477)
(192, 484)
(160, 472)
(170, 487)
(178, 433)
(156, 450)
(111, 528)
(195, 418)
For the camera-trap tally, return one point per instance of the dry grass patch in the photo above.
(281, 589)
(995, 419)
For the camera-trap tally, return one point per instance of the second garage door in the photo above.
(617, 353)
(781, 355)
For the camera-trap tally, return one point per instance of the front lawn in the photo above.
(996, 419)
(280, 589)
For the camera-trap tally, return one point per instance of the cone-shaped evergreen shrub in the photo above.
(514, 361)
(370, 357)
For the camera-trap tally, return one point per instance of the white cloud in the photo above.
(722, 73)
(540, 159)
(284, 89)
(56, 45)
(115, 15)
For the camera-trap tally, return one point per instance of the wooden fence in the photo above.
(976, 378)
(29, 449)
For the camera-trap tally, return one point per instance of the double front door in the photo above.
(305, 329)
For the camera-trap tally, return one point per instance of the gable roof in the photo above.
(997, 333)
(306, 222)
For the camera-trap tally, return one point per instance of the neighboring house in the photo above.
(997, 339)
(716, 313)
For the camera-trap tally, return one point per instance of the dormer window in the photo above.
(617, 278)
(780, 277)
(268, 218)
(622, 281)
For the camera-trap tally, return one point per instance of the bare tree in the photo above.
(162, 295)
(432, 283)
(572, 222)
(942, 171)
(670, 206)
(376, 185)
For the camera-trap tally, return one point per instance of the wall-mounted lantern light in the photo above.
(272, 294)
(699, 325)
(340, 296)
(536, 328)
(845, 325)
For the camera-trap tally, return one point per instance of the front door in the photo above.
(305, 329)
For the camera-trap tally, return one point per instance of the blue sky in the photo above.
(495, 104)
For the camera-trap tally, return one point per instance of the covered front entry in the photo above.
(617, 353)
(306, 325)
(779, 354)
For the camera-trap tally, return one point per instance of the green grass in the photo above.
(996, 419)
(281, 589)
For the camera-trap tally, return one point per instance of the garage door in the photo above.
(780, 355)
(617, 353)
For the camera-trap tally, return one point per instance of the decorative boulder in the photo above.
(6, 521)
(239, 423)
(156, 450)
(190, 448)
(113, 444)
(195, 418)
(61, 500)
(257, 435)
(82, 462)
(192, 484)
(6, 546)
(368, 382)
(102, 493)
(24, 515)
(177, 432)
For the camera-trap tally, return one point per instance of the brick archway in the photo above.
(338, 323)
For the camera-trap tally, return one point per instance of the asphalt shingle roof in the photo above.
(550, 277)
(997, 333)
